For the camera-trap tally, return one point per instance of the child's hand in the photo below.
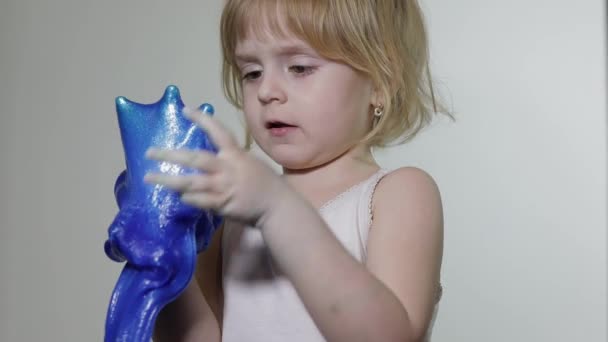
(234, 183)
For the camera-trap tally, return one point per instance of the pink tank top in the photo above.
(261, 304)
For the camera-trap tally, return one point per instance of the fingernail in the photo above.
(152, 152)
(147, 178)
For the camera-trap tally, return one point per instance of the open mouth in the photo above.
(277, 124)
(279, 128)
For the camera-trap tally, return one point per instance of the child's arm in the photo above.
(196, 314)
(393, 297)
(405, 244)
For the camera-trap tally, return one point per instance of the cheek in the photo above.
(342, 89)
(248, 98)
(250, 119)
(340, 105)
(250, 106)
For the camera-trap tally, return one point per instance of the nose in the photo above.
(271, 88)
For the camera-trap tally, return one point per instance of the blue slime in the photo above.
(156, 234)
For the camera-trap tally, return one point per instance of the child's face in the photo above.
(329, 103)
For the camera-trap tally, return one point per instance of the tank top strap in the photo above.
(371, 190)
(365, 207)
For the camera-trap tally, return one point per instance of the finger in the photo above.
(199, 159)
(203, 200)
(184, 183)
(178, 183)
(217, 132)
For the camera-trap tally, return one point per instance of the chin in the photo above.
(289, 162)
(286, 157)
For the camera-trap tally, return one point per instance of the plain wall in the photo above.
(522, 171)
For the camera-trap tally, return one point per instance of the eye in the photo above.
(301, 70)
(252, 75)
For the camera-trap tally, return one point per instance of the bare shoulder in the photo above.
(408, 189)
(405, 243)
(412, 179)
(408, 200)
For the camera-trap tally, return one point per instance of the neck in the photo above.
(353, 165)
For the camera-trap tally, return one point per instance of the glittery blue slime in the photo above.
(156, 234)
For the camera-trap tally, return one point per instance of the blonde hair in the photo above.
(385, 40)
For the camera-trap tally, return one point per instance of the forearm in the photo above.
(187, 318)
(346, 301)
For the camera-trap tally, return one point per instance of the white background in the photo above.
(522, 171)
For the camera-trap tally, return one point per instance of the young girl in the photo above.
(336, 248)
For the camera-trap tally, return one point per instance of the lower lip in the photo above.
(281, 131)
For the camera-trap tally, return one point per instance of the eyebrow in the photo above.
(280, 50)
